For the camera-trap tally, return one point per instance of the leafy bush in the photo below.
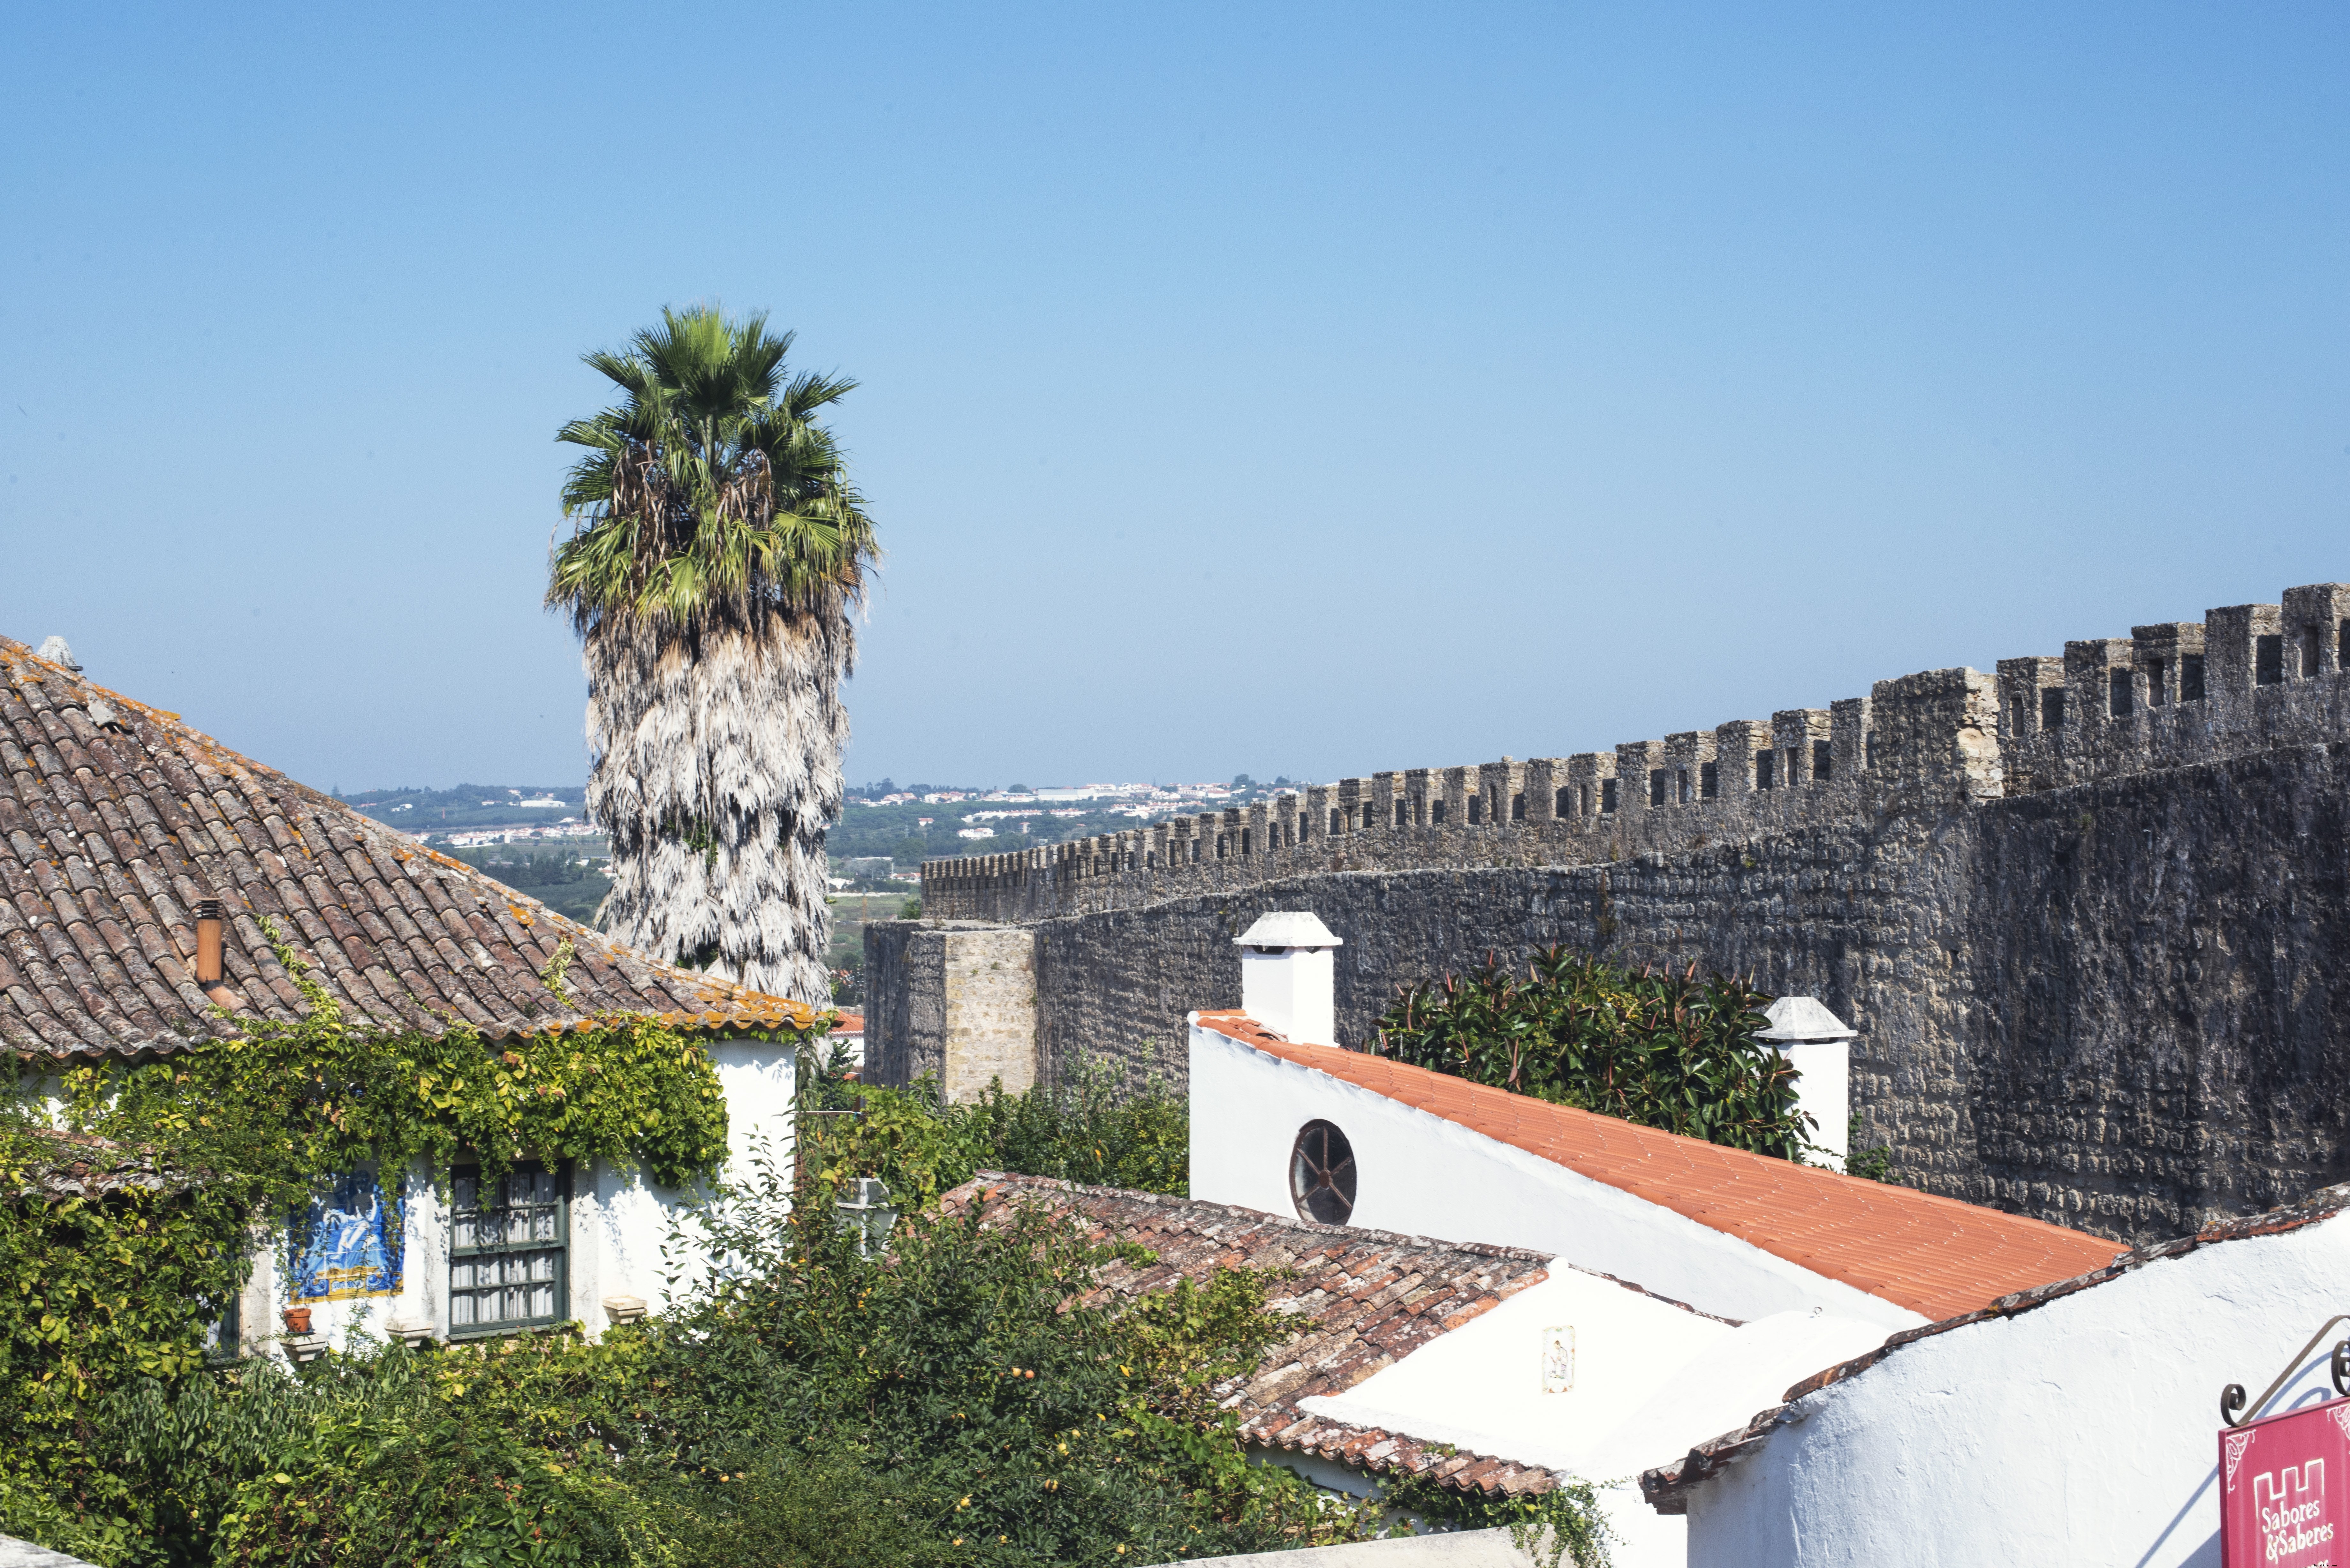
(1663, 1050)
(806, 1406)
(1085, 1130)
(101, 1294)
(1874, 1164)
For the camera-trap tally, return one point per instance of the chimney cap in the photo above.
(1801, 1018)
(1289, 929)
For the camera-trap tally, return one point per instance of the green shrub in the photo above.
(1084, 1131)
(1663, 1050)
(102, 1295)
(1874, 1164)
(806, 1406)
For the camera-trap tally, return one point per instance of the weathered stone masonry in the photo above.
(2091, 914)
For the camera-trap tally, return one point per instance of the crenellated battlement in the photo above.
(2245, 678)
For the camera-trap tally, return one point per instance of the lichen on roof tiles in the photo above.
(1343, 1335)
(109, 833)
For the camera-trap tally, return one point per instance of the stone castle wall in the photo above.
(2089, 914)
(2245, 678)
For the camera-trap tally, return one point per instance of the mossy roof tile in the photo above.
(123, 829)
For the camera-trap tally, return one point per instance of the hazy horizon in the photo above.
(1312, 393)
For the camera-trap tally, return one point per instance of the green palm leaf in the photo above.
(717, 556)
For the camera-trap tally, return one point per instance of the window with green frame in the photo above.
(509, 1243)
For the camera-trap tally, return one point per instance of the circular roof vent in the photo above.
(1322, 1174)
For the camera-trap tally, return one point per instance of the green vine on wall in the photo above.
(291, 1101)
(97, 1291)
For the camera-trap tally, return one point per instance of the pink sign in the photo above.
(2285, 1491)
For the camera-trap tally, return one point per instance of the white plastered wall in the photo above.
(1649, 1379)
(1422, 1175)
(619, 1222)
(2083, 1431)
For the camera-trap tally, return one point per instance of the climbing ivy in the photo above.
(184, 1160)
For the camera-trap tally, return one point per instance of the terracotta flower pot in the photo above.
(297, 1320)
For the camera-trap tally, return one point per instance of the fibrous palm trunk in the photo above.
(715, 766)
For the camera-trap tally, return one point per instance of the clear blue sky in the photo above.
(1303, 391)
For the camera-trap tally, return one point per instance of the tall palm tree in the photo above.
(718, 554)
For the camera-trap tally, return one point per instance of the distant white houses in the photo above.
(980, 832)
(569, 829)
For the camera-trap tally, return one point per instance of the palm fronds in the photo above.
(717, 557)
(710, 489)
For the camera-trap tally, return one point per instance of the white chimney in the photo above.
(1289, 976)
(1818, 1045)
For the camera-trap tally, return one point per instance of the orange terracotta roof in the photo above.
(848, 1023)
(117, 818)
(1668, 1487)
(1936, 1256)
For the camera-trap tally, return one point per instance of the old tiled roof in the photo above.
(69, 1164)
(1363, 1300)
(1936, 1256)
(116, 818)
(1668, 1487)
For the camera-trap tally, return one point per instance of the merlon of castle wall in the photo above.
(2246, 678)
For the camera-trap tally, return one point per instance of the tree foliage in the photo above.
(718, 555)
(1083, 1130)
(1661, 1049)
(950, 1403)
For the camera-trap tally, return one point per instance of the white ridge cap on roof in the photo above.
(1289, 929)
(1803, 1018)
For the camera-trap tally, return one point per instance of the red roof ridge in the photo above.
(1935, 1256)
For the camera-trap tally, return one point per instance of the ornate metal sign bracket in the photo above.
(2232, 1398)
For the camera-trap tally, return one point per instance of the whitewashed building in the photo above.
(2074, 1423)
(1750, 1273)
(141, 857)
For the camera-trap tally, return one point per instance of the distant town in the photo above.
(537, 839)
(904, 825)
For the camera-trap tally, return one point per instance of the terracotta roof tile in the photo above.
(1936, 1256)
(109, 836)
(1345, 1333)
(1668, 1487)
